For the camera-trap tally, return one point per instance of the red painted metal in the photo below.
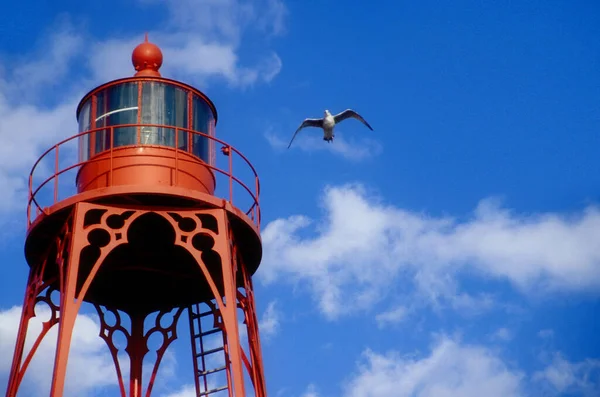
(147, 59)
(146, 235)
(167, 152)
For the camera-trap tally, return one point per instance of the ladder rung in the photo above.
(212, 371)
(218, 349)
(206, 393)
(212, 331)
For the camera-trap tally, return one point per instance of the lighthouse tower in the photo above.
(145, 239)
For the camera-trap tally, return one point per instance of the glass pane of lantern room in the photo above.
(203, 121)
(84, 125)
(164, 104)
(116, 106)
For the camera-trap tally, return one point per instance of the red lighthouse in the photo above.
(146, 238)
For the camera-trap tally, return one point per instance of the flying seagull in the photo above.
(328, 122)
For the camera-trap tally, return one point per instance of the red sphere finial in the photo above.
(147, 59)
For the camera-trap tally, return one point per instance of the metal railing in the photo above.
(253, 212)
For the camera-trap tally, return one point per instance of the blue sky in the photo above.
(452, 251)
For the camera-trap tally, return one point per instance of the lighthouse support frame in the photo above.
(58, 269)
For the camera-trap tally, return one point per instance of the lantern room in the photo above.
(146, 129)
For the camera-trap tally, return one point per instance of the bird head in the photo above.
(327, 113)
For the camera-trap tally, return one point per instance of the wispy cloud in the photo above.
(201, 40)
(502, 334)
(546, 333)
(454, 368)
(451, 369)
(562, 376)
(269, 322)
(352, 149)
(184, 391)
(311, 391)
(392, 316)
(359, 248)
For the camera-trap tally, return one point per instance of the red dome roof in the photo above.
(147, 59)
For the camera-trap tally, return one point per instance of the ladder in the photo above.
(211, 361)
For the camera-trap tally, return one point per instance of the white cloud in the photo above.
(45, 66)
(187, 57)
(27, 126)
(360, 248)
(225, 19)
(451, 369)
(272, 18)
(90, 365)
(392, 316)
(311, 391)
(203, 38)
(18, 127)
(185, 391)
(546, 333)
(470, 305)
(269, 323)
(217, 60)
(454, 368)
(200, 40)
(562, 376)
(311, 141)
(502, 334)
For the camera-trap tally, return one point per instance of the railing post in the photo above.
(56, 174)
(256, 200)
(30, 198)
(230, 174)
(253, 212)
(112, 145)
(176, 156)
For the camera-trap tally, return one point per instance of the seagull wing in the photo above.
(349, 113)
(307, 123)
